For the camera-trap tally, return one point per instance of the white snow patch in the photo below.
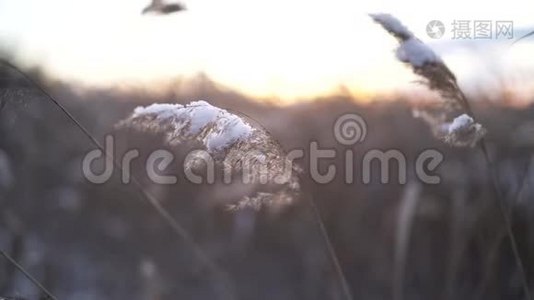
(223, 128)
(232, 129)
(461, 123)
(201, 114)
(463, 131)
(156, 108)
(416, 53)
(411, 49)
(391, 24)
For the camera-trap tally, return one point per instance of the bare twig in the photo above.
(491, 261)
(222, 276)
(28, 275)
(503, 209)
(405, 221)
(523, 37)
(330, 249)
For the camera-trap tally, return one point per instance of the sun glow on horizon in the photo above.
(280, 49)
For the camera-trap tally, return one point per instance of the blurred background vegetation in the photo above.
(86, 241)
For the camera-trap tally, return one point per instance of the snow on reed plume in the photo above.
(231, 142)
(462, 130)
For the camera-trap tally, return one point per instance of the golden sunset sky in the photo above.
(290, 49)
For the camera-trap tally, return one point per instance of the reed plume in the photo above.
(462, 129)
(232, 141)
(453, 123)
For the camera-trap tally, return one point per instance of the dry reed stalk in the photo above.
(405, 222)
(462, 131)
